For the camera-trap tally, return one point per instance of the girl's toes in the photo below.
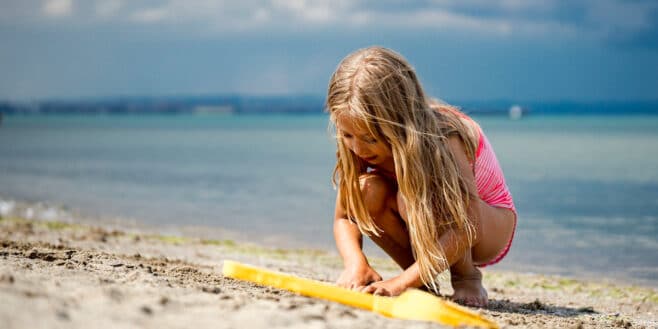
(472, 302)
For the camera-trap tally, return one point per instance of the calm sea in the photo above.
(586, 187)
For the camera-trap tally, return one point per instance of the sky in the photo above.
(539, 50)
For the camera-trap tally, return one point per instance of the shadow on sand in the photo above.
(537, 307)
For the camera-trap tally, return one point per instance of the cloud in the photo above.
(108, 8)
(150, 15)
(445, 20)
(624, 23)
(304, 16)
(319, 12)
(604, 20)
(57, 8)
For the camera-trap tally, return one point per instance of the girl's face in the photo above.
(358, 139)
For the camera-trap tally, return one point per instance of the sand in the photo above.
(62, 274)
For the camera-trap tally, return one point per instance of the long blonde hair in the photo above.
(378, 86)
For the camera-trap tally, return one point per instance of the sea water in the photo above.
(586, 187)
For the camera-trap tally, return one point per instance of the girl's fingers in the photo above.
(356, 287)
(367, 289)
(381, 292)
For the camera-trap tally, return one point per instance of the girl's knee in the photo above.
(376, 192)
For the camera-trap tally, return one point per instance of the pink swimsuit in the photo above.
(491, 184)
(490, 181)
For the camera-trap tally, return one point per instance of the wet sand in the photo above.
(63, 274)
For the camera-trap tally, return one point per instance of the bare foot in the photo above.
(469, 290)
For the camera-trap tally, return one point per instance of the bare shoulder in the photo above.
(458, 151)
(457, 148)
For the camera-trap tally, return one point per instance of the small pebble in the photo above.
(211, 290)
(7, 278)
(63, 315)
(146, 310)
(32, 254)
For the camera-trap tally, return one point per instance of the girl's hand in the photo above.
(390, 287)
(356, 277)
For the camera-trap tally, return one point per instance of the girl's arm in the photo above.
(454, 244)
(349, 241)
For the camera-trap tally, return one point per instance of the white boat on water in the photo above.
(515, 112)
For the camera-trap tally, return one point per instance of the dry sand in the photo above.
(62, 275)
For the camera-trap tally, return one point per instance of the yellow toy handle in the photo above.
(306, 287)
(413, 304)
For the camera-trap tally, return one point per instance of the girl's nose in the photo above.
(358, 148)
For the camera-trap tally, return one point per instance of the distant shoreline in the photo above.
(238, 104)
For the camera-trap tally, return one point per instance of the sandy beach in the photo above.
(59, 273)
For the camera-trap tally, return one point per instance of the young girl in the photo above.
(418, 177)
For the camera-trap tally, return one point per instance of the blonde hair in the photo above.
(378, 87)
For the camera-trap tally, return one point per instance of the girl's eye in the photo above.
(370, 140)
(348, 136)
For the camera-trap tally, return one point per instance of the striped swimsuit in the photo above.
(491, 183)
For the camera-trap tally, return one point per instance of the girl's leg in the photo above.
(466, 280)
(494, 229)
(379, 194)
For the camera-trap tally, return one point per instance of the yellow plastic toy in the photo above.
(413, 304)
